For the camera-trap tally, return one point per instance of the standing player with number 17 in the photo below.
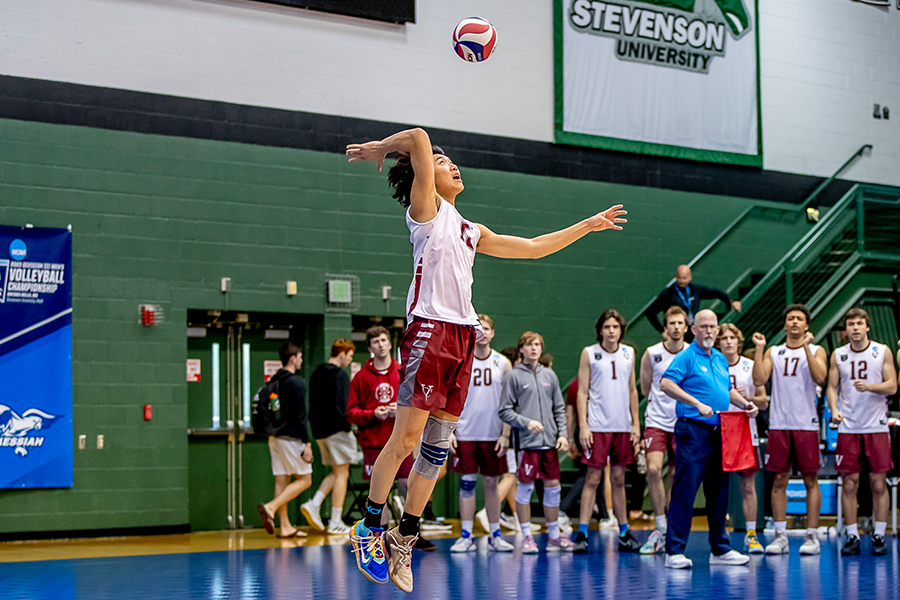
(437, 348)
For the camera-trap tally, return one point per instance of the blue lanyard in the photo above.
(687, 300)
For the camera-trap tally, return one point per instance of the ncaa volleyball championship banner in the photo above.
(675, 78)
(35, 358)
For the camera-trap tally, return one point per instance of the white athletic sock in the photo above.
(880, 527)
(318, 498)
(661, 523)
(780, 526)
(854, 529)
(495, 527)
(811, 530)
(336, 514)
(526, 529)
(468, 526)
(553, 529)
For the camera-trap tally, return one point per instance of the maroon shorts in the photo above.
(436, 362)
(660, 440)
(369, 462)
(614, 446)
(538, 464)
(787, 448)
(851, 447)
(478, 457)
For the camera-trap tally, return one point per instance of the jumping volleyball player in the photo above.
(438, 345)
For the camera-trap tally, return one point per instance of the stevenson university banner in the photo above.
(669, 77)
(35, 358)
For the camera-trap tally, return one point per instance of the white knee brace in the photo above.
(551, 496)
(435, 447)
(523, 492)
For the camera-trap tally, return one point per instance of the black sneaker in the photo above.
(851, 546)
(581, 544)
(423, 545)
(627, 543)
(878, 546)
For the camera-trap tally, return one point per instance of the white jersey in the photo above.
(443, 255)
(609, 406)
(864, 412)
(660, 407)
(741, 374)
(793, 404)
(480, 421)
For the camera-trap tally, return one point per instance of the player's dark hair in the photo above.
(607, 315)
(287, 350)
(855, 313)
(511, 353)
(375, 331)
(798, 307)
(546, 360)
(401, 175)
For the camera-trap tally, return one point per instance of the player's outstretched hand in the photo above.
(759, 339)
(370, 151)
(608, 219)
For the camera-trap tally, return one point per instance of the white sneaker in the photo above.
(610, 523)
(463, 544)
(779, 545)
(810, 545)
(311, 513)
(730, 558)
(482, 519)
(498, 544)
(565, 526)
(338, 528)
(678, 561)
(655, 543)
(510, 523)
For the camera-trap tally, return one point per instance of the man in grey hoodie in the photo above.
(532, 404)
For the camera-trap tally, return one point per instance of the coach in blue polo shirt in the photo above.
(698, 378)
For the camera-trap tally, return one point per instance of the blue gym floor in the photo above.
(329, 572)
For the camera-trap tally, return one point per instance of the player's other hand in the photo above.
(705, 411)
(608, 219)
(861, 386)
(562, 444)
(370, 151)
(742, 391)
(759, 339)
(535, 426)
(837, 417)
(752, 410)
(808, 339)
(307, 454)
(501, 446)
(382, 412)
(585, 437)
(453, 442)
(573, 452)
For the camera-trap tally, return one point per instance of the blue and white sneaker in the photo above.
(369, 550)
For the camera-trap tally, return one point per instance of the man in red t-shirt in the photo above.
(373, 404)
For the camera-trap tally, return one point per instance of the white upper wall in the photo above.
(823, 65)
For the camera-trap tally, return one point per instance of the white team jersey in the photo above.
(609, 408)
(793, 404)
(660, 407)
(864, 412)
(480, 421)
(741, 374)
(443, 255)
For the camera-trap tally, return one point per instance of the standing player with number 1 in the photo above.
(438, 345)
(865, 371)
(796, 368)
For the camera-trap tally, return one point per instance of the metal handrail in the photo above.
(731, 226)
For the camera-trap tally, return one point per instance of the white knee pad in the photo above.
(551, 496)
(523, 492)
(467, 486)
(435, 447)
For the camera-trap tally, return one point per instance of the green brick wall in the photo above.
(161, 219)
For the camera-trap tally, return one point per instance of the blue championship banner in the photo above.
(36, 447)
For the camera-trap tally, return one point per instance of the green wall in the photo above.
(161, 219)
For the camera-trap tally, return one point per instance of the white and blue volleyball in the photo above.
(474, 39)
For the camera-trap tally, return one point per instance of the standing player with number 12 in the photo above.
(442, 326)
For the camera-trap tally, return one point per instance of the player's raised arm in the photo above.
(762, 361)
(510, 246)
(417, 144)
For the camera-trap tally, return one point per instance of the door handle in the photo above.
(241, 432)
(230, 426)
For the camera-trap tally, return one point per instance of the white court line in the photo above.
(35, 326)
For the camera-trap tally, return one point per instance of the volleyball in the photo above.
(474, 39)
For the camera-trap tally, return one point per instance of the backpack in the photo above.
(263, 415)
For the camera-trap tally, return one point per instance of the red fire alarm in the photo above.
(148, 315)
(148, 412)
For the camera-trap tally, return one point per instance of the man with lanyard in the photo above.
(688, 296)
(698, 379)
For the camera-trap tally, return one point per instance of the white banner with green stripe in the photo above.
(669, 77)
